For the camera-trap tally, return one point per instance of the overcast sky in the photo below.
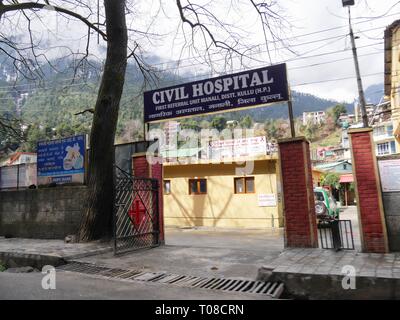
(370, 18)
(306, 36)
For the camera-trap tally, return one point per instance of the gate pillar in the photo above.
(300, 221)
(146, 166)
(371, 218)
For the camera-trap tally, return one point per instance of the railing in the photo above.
(16, 177)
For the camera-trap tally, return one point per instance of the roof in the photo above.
(330, 165)
(14, 157)
(346, 178)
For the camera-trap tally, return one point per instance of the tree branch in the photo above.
(46, 6)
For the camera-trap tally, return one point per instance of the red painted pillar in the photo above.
(371, 216)
(144, 167)
(298, 195)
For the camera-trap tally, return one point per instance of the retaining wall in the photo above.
(48, 213)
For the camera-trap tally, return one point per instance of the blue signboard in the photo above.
(61, 161)
(226, 93)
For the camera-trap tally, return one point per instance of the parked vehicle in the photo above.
(325, 204)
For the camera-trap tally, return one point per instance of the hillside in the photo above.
(333, 139)
(52, 110)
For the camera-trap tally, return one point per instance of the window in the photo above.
(197, 186)
(319, 196)
(167, 186)
(393, 146)
(379, 131)
(389, 130)
(383, 148)
(244, 185)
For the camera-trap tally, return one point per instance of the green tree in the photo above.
(246, 122)
(271, 129)
(189, 123)
(218, 123)
(330, 179)
(337, 111)
(198, 18)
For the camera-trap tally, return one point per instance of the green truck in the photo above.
(325, 204)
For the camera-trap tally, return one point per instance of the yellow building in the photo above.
(216, 195)
(392, 75)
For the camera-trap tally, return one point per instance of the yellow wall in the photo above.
(395, 95)
(220, 207)
(316, 176)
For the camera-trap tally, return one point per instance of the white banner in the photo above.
(236, 148)
(390, 175)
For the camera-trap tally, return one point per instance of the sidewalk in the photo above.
(318, 273)
(38, 252)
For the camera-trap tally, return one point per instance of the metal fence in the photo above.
(17, 177)
(336, 234)
(136, 213)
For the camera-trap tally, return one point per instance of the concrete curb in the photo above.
(329, 286)
(38, 260)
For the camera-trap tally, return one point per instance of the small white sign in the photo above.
(267, 200)
(390, 175)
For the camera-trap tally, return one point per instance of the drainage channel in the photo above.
(271, 289)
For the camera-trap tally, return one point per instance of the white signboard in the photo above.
(390, 175)
(236, 148)
(266, 200)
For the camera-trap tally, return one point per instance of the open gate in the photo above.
(136, 212)
(336, 234)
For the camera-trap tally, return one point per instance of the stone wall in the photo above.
(48, 213)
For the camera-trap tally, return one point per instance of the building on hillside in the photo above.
(314, 117)
(330, 154)
(348, 118)
(392, 76)
(369, 108)
(384, 140)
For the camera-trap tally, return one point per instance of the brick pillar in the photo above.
(143, 169)
(298, 195)
(371, 217)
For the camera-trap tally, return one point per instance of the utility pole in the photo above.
(361, 97)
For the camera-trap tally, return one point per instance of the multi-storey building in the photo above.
(314, 117)
(392, 76)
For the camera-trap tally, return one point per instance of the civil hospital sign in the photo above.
(226, 93)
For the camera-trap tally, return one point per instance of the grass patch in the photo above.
(334, 139)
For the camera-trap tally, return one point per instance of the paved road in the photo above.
(73, 286)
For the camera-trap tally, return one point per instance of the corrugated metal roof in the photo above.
(331, 164)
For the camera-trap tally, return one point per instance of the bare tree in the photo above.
(209, 36)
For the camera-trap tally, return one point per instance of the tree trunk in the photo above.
(97, 220)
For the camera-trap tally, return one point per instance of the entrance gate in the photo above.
(136, 213)
(336, 234)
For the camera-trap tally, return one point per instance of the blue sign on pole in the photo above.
(61, 161)
(226, 93)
